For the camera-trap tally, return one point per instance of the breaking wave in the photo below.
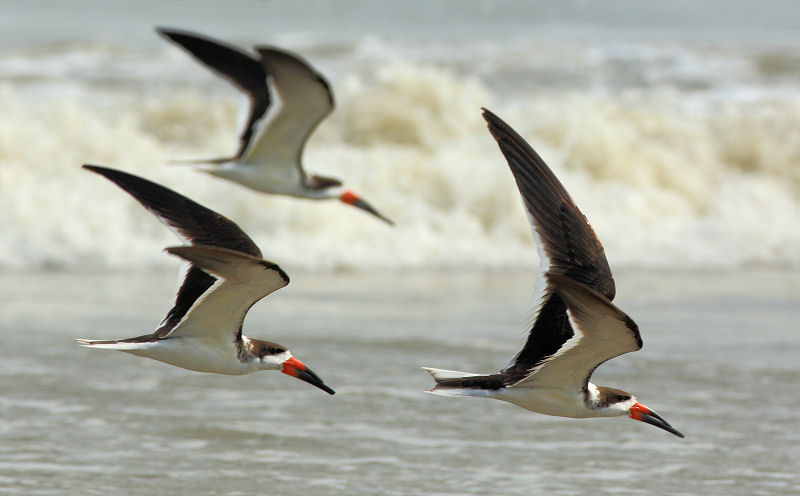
(666, 177)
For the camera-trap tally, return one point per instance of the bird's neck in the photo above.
(592, 396)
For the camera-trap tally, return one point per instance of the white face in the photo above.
(613, 409)
(274, 362)
(623, 407)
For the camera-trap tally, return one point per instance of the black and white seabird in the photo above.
(269, 158)
(226, 275)
(575, 326)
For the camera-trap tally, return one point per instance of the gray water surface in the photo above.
(719, 362)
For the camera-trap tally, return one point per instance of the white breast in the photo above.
(199, 354)
(558, 402)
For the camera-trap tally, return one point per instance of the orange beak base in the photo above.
(296, 368)
(648, 416)
(350, 198)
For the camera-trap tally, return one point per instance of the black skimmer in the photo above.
(225, 277)
(575, 326)
(271, 144)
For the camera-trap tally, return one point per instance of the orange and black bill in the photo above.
(296, 368)
(353, 199)
(644, 414)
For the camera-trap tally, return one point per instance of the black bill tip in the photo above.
(648, 416)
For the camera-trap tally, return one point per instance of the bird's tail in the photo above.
(119, 345)
(203, 161)
(455, 383)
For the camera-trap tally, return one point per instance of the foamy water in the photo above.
(679, 155)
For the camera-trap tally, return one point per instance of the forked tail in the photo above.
(119, 345)
(455, 383)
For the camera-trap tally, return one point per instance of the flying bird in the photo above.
(575, 326)
(287, 100)
(226, 276)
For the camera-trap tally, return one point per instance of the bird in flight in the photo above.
(287, 100)
(575, 326)
(226, 275)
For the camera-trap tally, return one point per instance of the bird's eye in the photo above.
(623, 398)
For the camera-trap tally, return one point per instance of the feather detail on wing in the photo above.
(241, 281)
(241, 69)
(192, 223)
(601, 332)
(305, 100)
(565, 241)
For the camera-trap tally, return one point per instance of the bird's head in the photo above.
(272, 356)
(617, 402)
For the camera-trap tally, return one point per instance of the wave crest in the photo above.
(664, 179)
(412, 105)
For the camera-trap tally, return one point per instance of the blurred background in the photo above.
(673, 125)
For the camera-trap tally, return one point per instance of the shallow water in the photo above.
(720, 349)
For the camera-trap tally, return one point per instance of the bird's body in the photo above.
(287, 99)
(559, 402)
(575, 326)
(211, 355)
(277, 181)
(559, 384)
(225, 277)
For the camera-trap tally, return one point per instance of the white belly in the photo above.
(198, 354)
(548, 401)
(275, 180)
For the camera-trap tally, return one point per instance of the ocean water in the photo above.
(674, 127)
(719, 362)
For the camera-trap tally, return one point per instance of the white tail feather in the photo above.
(87, 343)
(439, 374)
(447, 374)
(482, 393)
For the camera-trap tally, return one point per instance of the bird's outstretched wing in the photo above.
(305, 100)
(238, 67)
(241, 280)
(601, 331)
(192, 223)
(566, 243)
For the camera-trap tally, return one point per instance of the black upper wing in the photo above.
(566, 239)
(191, 222)
(240, 68)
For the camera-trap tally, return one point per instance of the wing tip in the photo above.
(508, 139)
(172, 34)
(113, 175)
(94, 168)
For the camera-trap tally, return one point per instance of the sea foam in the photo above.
(666, 178)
